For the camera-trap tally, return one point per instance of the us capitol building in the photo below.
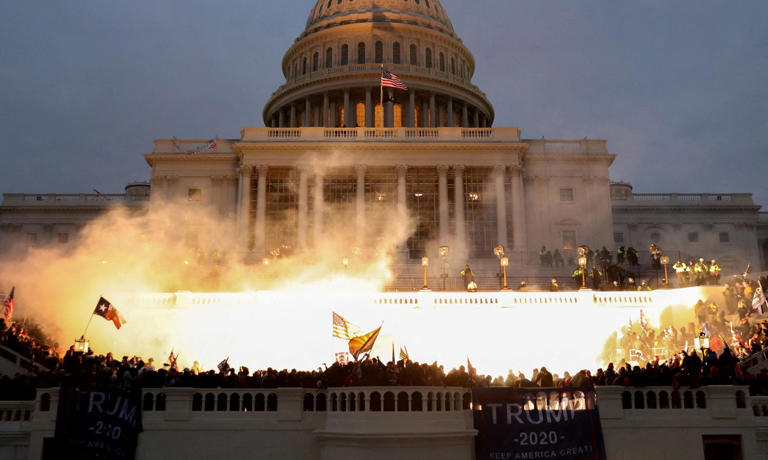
(431, 153)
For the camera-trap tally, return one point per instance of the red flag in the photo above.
(364, 343)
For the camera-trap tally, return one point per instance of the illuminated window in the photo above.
(360, 114)
(569, 239)
(566, 194)
(194, 194)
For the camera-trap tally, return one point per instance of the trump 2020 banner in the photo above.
(94, 424)
(522, 424)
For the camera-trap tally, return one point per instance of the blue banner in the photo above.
(537, 423)
(97, 424)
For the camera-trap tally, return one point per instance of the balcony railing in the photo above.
(707, 199)
(382, 134)
(80, 199)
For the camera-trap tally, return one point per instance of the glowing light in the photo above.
(418, 194)
(474, 196)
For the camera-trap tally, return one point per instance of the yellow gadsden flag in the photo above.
(363, 343)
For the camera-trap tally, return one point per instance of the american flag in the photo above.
(390, 80)
(343, 329)
(8, 304)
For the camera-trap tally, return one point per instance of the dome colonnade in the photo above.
(332, 70)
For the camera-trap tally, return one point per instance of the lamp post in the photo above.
(425, 264)
(665, 262)
(443, 251)
(583, 266)
(504, 263)
(345, 262)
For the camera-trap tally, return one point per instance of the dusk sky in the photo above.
(679, 89)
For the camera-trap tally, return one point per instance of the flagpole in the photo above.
(86, 326)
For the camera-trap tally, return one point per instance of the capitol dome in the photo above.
(333, 69)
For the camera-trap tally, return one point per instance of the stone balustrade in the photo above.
(381, 134)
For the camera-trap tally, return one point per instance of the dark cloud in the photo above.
(677, 88)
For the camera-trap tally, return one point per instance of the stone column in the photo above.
(442, 187)
(464, 116)
(519, 230)
(301, 240)
(244, 204)
(449, 108)
(501, 205)
(360, 204)
(319, 204)
(261, 210)
(425, 114)
(334, 114)
(476, 123)
(389, 109)
(318, 121)
(347, 111)
(369, 120)
(402, 199)
(411, 109)
(325, 121)
(307, 113)
(433, 111)
(458, 182)
(293, 115)
(281, 118)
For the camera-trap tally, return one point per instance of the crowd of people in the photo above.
(713, 363)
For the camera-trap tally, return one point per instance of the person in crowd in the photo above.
(620, 255)
(701, 272)
(522, 287)
(542, 256)
(632, 257)
(557, 258)
(714, 273)
(681, 270)
(577, 276)
(469, 279)
(553, 286)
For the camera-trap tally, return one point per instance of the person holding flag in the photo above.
(108, 311)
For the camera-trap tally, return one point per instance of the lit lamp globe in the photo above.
(443, 251)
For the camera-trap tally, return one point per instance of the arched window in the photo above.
(414, 56)
(329, 58)
(453, 66)
(160, 402)
(379, 54)
(210, 401)
(197, 402)
(304, 66)
(234, 402)
(361, 53)
(315, 62)
(247, 402)
(149, 402)
(221, 402)
(442, 62)
(396, 53)
(344, 54)
(428, 58)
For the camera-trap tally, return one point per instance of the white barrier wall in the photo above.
(393, 422)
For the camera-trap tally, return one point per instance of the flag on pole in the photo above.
(758, 301)
(8, 304)
(224, 365)
(404, 354)
(108, 311)
(390, 80)
(343, 329)
(363, 343)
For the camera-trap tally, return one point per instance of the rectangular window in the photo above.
(566, 194)
(693, 237)
(618, 237)
(725, 237)
(63, 238)
(194, 194)
(569, 239)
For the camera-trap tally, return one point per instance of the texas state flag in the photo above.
(108, 311)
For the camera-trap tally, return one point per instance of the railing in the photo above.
(84, 199)
(703, 198)
(20, 361)
(362, 134)
(388, 399)
(760, 406)
(16, 411)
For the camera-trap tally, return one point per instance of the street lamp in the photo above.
(583, 266)
(345, 262)
(504, 264)
(425, 264)
(498, 251)
(665, 262)
(443, 251)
